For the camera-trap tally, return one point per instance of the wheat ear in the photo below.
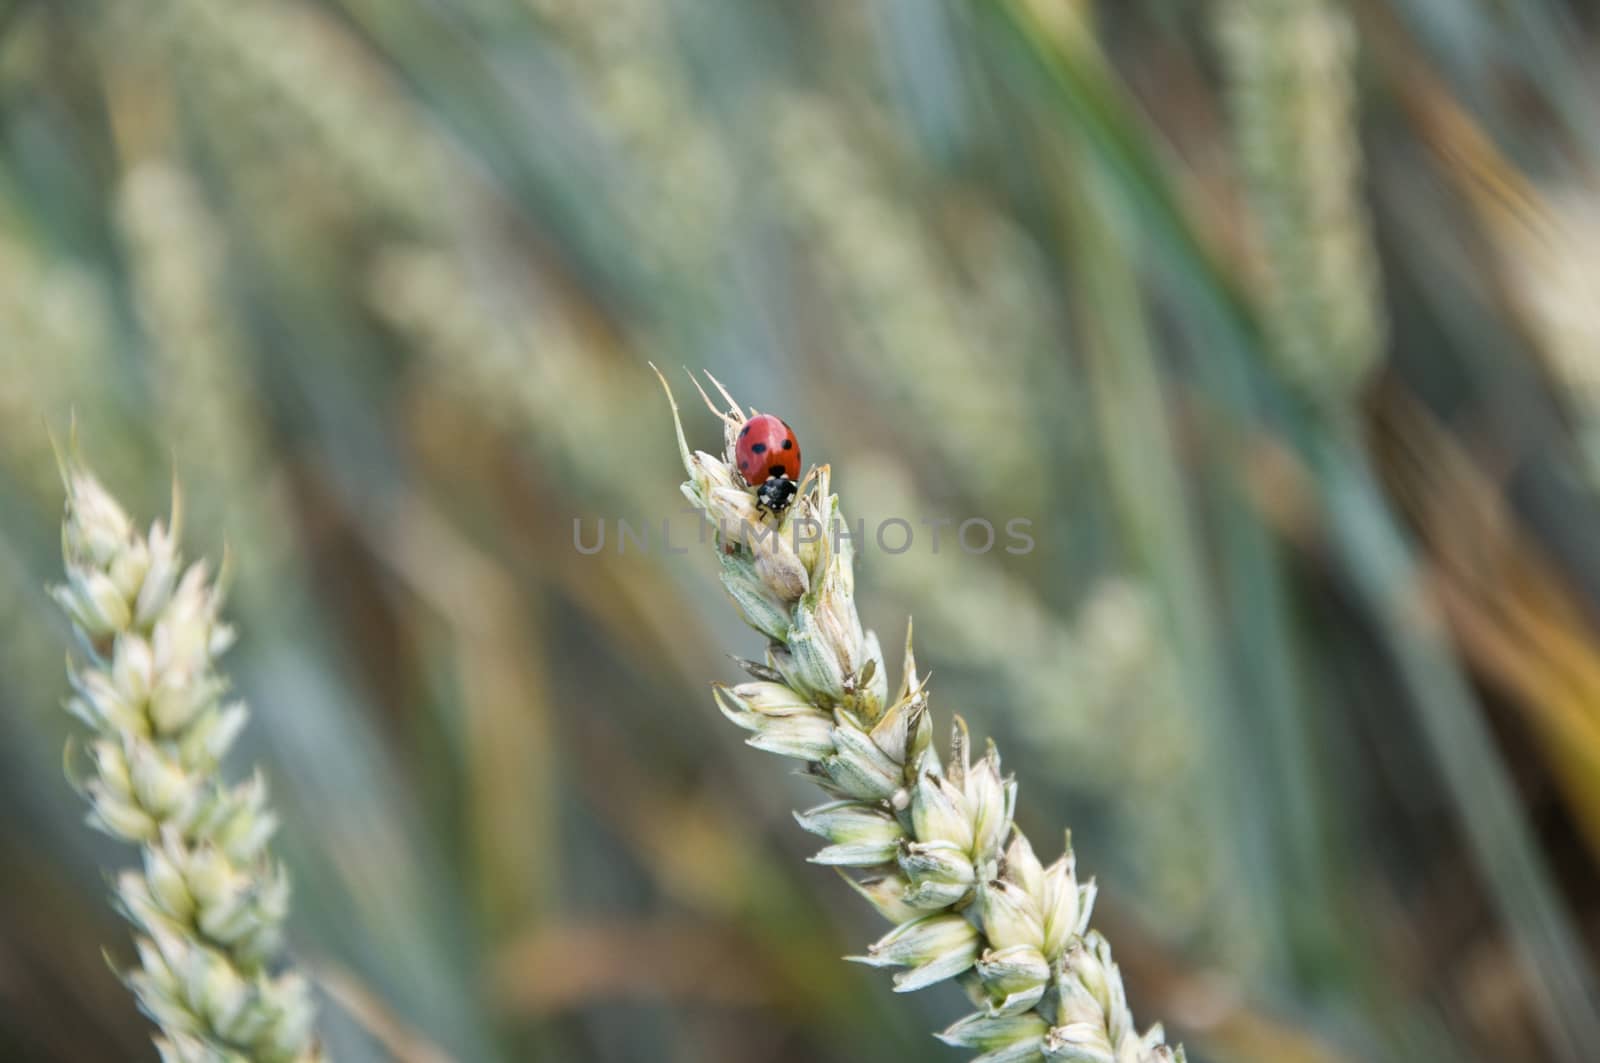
(209, 903)
(933, 843)
(1292, 94)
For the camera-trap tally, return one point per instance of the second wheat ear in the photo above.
(208, 903)
(929, 843)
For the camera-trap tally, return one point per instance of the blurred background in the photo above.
(1280, 322)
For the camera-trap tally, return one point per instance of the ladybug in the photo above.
(768, 455)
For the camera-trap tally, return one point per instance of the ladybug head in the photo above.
(776, 494)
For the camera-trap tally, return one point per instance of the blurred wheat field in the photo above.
(1278, 323)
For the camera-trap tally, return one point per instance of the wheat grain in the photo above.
(923, 340)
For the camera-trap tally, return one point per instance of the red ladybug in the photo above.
(768, 455)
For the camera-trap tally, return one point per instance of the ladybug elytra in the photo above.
(768, 456)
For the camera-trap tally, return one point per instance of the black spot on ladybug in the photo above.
(760, 448)
(744, 431)
(744, 465)
(776, 470)
(788, 444)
